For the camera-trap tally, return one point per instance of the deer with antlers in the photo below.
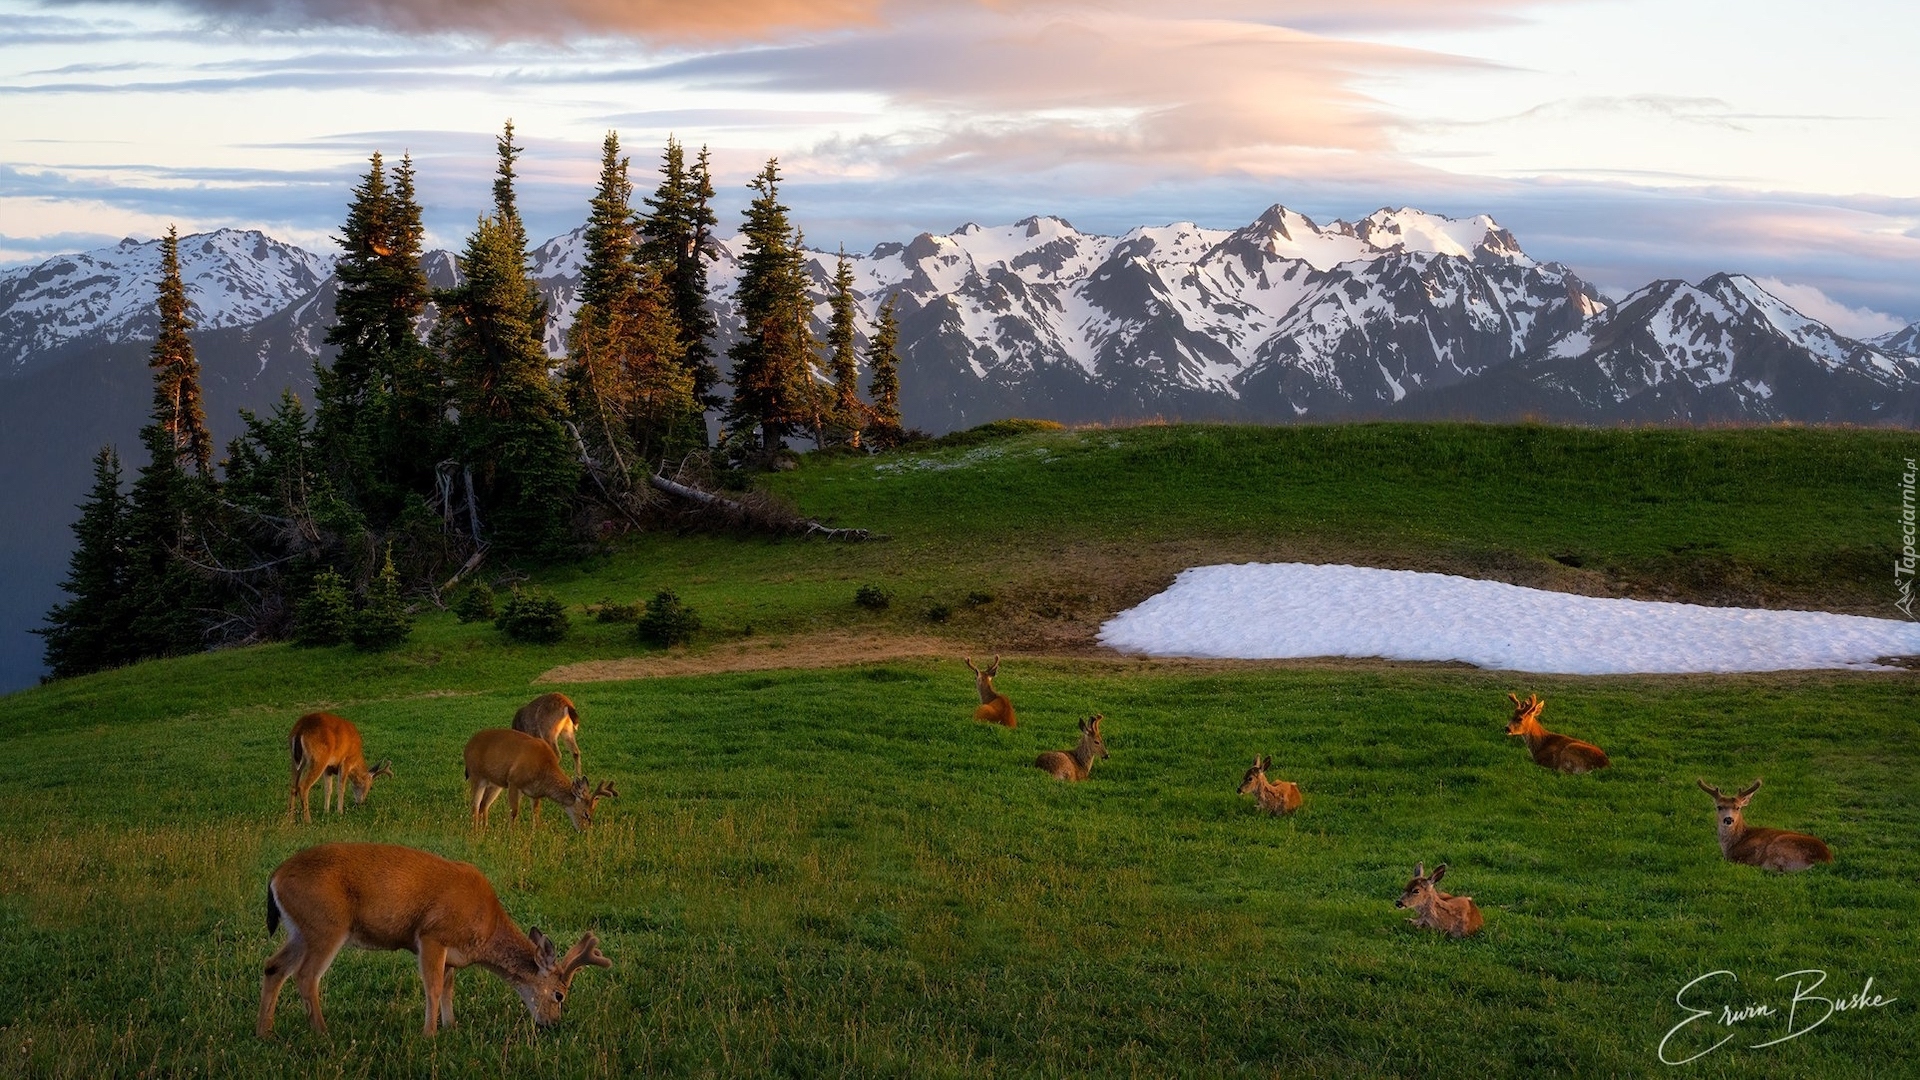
(1275, 798)
(551, 718)
(1073, 765)
(502, 759)
(1455, 916)
(382, 897)
(994, 706)
(1551, 751)
(325, 746)
(1769, 849)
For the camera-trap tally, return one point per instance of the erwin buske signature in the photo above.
(1804, 1011)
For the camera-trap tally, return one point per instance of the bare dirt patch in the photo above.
(769, 653)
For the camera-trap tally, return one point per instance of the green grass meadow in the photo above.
(836, 872)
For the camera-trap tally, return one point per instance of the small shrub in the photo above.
(978, 598)
(533, 617)
(872, 597)
(384, 621)
(321, 616)
(667, 622)
(476, 604)
(610, 612)
(939, 613)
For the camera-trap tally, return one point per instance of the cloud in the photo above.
(1855, 322)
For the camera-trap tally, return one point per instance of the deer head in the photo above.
(1730, 807)
(1251, 782)
(1526, 714)
(545, 990)
(1420, 892)
(363, 781)
(1090, 736)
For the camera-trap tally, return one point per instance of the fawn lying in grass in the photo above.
(550, 718)
(1074, 765)
(324, 745)
(380, 896)
(994, 706)
(1770, 849)
(1551, 751)
(502, 759)
(1276, 799)
(1455, 916)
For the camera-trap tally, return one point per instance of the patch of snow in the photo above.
(1292, 610)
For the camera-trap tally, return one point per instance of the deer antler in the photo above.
(970, 667)
(1710, 789)
(585, 952)
(606, 791)
(1749, 789)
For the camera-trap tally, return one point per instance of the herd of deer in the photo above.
(384, 897)
(1773, 849)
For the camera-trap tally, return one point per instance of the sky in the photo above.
(1630, 139)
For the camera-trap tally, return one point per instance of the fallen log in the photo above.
(803, 526)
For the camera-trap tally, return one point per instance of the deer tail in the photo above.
(273, 911)
(299, 750)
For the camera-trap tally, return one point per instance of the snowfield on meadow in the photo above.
(1272, 611)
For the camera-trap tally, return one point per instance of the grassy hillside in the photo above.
(832, 869)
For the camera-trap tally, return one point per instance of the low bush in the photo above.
(667, 621)
(533, 617)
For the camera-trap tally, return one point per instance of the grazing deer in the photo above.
(1551, 751)
(381, 896)
(1769, 849)
(550, 718)
(1074, 765)
(1455, 916)
(502, 759)
(1276, 799)
(323, 745)
(994, 706)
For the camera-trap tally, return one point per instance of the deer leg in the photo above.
(319, 957)
(536, 813)
(446, 997)
(433, 971)
(326, 792)
(513, 804)
(281, 965)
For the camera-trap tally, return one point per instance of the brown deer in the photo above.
(1073, 765)
(323, 745)
(550, 718)
(502, 759)
(994, 706)
(1455, 916)
(381, 896)
(1769, 849)
(1551, 751)
(1276, 799)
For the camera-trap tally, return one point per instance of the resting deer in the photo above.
(1551, 751)
(994, 706)
(1074, 765)
(502, 759)
(1770, 849)
(1276, 799)
(380, 896)
(323, 745)
(550, 718)
(1455, 916)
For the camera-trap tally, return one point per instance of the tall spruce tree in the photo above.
(772, 359)
(380, 405)
(677, 234)
(510, 430)
(172, 502)
(626, 385)
(843, 363)
(883, 380)
(89, 631)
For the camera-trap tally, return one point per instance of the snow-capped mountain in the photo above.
(1722, 350)
(1905, 340)
(233, 279)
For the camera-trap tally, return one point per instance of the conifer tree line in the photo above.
(442, 434)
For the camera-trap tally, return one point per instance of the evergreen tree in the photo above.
(677, 235)
(384, 622)
(510, 431)
(883, 366)
(380, 408)
(89, 632)
(772, 360)
(506, 208)
(610, 269)
(171, 508)
(843, 364)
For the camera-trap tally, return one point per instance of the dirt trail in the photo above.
(772, 652)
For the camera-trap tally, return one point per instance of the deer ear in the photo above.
(544, 944)
(1438, 872)
(1420, 870)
